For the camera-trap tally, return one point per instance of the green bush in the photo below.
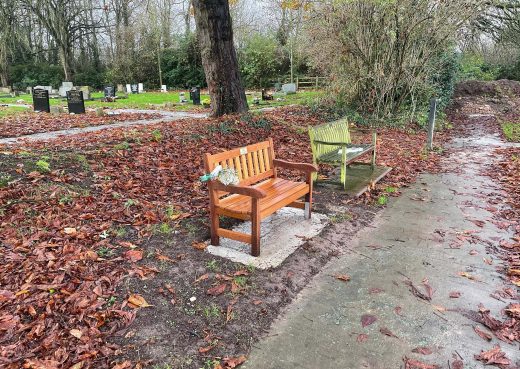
(260, 61)
(182, 65)
(474, 67)
(25, 75)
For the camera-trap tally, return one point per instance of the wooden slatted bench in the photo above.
(259, 193)
(331, 144)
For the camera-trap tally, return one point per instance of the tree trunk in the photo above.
(219, 57)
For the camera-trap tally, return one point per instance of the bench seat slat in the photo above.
(278, 191)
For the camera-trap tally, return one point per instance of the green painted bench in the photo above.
(331, 144)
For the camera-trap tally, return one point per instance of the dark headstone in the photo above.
(195, 95)
(41, 100)
(75, 102)
(109, 91)
(135, 88)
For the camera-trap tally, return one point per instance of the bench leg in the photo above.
(308, 206)
(343, 176)
(215, 224)
(374, 143)
(255, 228)
(308, 200)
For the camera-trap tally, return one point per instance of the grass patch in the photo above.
(511, 131)
(341, 217)
(12, 110)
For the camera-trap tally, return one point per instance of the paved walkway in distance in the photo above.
(410, 240)
(166, 117)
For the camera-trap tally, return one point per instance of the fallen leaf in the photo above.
(473, 252)
(203, 350)
(362, 338)
(124, 365)
(485, 335)
(70, 231)
(241, 272)
(367, 319)
(440, 308)
(416, 364)
(387, 332)
(423, 350)
(375, 290)
(134, 255)
(199, 245)
(202, 278)
(457, 364)
(342, 277)
(494, 356)
(137, 301)
(455, 294)
(161, 257)
(428, 288)
(467, 275)
(233, 362)
(398, 310)
(416, 292)
(217, 290)
(76, 333)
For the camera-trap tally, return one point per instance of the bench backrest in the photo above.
(330, 132)
(252, 163)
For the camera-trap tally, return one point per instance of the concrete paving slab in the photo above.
(281, 234)
(414, 239)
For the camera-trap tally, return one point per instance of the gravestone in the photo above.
(121, 88)
(41, 100)
(86, 92)
(195, 95)
(128, 88)
(109, 92)
(134, 88)
(29, 90)
(75, 102)
(140, 87)
(289, 88)
(5, 90)
(278, 86)
(65, 87)
(182, 97)
(164, 88)
(47, 88)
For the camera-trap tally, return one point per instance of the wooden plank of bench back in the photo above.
(253, 166)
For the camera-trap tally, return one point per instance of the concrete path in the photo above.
(410, 240)
(166, 117)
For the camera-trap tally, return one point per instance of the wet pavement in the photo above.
(430, 234)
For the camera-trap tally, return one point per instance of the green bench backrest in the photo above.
(330, 132)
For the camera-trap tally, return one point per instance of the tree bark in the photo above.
(219, 57)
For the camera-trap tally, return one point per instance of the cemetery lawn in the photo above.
(156, 100)
(6, 111)
(97, 226)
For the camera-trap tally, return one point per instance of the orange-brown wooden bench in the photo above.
(259, 193)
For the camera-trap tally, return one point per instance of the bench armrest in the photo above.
(303, 167)
(255, 193)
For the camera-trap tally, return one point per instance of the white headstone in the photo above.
(163, 88)
(48, 88)
(128, 88)
(289, 88)
(67, 84)
(140, 87)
